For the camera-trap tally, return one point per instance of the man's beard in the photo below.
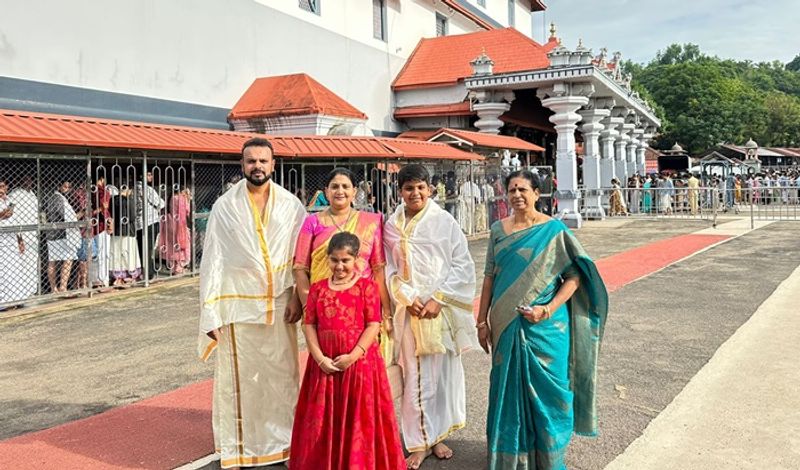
(258, 181)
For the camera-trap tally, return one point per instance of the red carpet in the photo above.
(174, 428)
(626, 267)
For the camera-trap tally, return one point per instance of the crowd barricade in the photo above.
(82, 224)
(678, 203)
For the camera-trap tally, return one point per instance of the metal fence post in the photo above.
(715, 206)
(193, 209)
(145, 244)
(88, 236)
(752, 215)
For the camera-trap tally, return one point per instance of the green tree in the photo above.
(794, 65)
(705, 100)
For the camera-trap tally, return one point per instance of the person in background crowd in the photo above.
(80, 203)
(441, 192)
(26, 212)
(667, 194)
(125, 264)
(101, 231)
(469, 197)
(12, 250)
(364, 199)
(175, 242)
(737, 186)
(149, 201)
(616, 202)
(693, 184)
(62, 244)
(647, 198)
(633, 194)
(451, 188)
(501, 203)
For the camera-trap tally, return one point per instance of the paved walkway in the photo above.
(742, 410)
(148, 433)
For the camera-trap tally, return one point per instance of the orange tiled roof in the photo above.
(291, 95)
(481, 139)
(445, 60)
(429, 110)
(21, 127)
(54, 129)
(418, 134)
(429, 150)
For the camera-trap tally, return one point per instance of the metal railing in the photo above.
(80, 224)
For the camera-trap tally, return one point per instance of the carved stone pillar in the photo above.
(641, 164)
(564, 99)
(591, 128)
(622, 152)
(633, 151)
(608, 136)
(490, 105)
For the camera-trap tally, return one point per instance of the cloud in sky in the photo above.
(758, 30)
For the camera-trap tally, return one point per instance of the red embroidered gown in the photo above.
(345, 420)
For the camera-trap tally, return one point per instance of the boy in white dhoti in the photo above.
(248, 311)
(431, 279)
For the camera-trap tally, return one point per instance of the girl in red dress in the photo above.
(345, 417)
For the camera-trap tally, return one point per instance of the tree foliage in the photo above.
(704, 100)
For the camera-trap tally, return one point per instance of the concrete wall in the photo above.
(209, 51)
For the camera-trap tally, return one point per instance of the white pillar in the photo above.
(633, 151)
(489, 116)
(607, 138)
(490, 105)
(641, 160)
(622, 152)
(640, 153)
(630, 164)
(564, 99)
(591, 128)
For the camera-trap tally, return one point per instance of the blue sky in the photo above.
(759, 30)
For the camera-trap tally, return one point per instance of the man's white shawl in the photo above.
(246, 265)
(428, 258)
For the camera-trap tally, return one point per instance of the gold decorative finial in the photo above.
(552, 30)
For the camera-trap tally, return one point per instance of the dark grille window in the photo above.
(441, 25)
(379, 19)
(310, 5)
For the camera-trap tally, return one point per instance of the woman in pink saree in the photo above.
(310, 259)
(175, 241)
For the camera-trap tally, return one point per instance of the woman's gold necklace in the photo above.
(340, 228)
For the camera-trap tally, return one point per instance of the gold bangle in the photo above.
(482, 325)
(547, 311)
(362, 349)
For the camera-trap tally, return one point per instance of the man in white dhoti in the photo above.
(248, 311)
(12, 248)
(431, 279)
(62, 243)
(26, 213)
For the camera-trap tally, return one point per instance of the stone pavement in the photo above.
(742, 410)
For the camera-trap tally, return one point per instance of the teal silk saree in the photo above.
(543, 375)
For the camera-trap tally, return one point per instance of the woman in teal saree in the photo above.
(543, 308)
(647, 199)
